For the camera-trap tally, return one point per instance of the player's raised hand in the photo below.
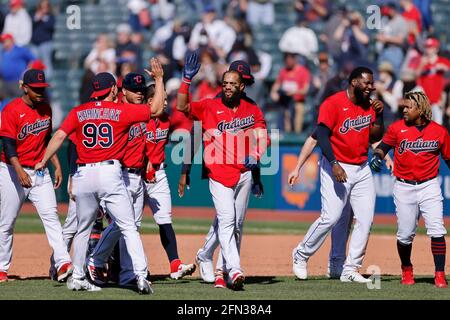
(191, 65)
(58, 178)
(157, 69)
(377, 105)
(183, 182)
(339, 173)
(24, 179)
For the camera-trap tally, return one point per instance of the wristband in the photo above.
(184, 88)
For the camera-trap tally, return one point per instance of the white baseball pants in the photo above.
(43, 198)
(411, 201)
(360, 191)
(94, 183)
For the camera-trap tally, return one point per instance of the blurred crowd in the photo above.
(327, 41)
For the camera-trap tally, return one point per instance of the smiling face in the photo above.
(363, 87)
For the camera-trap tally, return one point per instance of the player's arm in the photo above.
(323, 140)
(191, 67)
(53, 146)
(186, 167)
(377, 129)
(10, 148)
(387, 158)
(157, 105)
(376, 163)
(305, 153)
(58, 171)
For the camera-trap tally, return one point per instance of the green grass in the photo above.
(30, 223)
(256, 288)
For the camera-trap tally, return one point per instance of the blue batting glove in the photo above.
(376, 163)
(191, 65)
(257, 189)
(250, 162)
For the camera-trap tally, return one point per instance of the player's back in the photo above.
(102, 129)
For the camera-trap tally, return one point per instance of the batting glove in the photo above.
(191, 66)
(257, 189)
(250, 162)
(376, 163)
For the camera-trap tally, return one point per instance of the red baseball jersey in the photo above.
(157, 138)
(30, 128)
(416, 155)
(102, 128)
(224, 137)
(349, 125)
(135, 148)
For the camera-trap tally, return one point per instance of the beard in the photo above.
(360, 98)
(232, 101)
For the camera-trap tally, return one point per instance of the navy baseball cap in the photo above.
(134, 82)
(102, 83)
(35, 78)
(243, 68)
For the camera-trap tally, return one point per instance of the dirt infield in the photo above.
(262, 255)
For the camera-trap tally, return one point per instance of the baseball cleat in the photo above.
(64, 271)
(299, 266)
(81, 284)
(3, 276)
(407, 275)
(219, 281)
(97, 274)
(439, 279)
(144, 286)
(353, 276)
(206, 269)
(183, 270)
(237, 281)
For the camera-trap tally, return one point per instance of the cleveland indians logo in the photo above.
(418, 146)
(158, 135)
(138, 79)
(235, 125)
(357, 124)
(96, 85)
(137, 131)
(35, 128)
(40, 76)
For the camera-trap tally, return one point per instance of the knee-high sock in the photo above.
(169, 241)
(438, 249)
(404, 251)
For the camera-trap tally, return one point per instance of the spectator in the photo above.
(260, 12)
(339, 82)
(333, 46)
(289, 91)
(413, 18)
(18, 23)
(392, 37)
(161, 11)
(300, 39)
(139, 18)
(321, 76)
(384, 87)
(14, 60)
(353, 38)
(42, 36)
(315, 12)
(102, 52)
(215, 32)
(431, 73)
(424, 7)
(126, 49)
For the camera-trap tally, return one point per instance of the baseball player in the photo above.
(347, 121)
(417, 141)
(26, 129)
(102, 130)
(225, 121)
(341, 231)
(204, 257)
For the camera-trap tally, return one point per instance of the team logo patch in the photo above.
(357, 124)
(418, 146)
(136, 131)
(235, 125)
(35, 128)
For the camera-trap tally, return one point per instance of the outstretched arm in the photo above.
(191, 67)
(53, 146)
(305, 153)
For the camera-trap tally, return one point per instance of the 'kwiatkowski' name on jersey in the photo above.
(417, 146)
(356, 124)
(35, 128)
(416, 155)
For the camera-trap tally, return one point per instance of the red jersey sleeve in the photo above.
(327, 114)
(9, 124)
(69, 125)
(197, 110)
(390, 137)
(140, 113)
(445, 149)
